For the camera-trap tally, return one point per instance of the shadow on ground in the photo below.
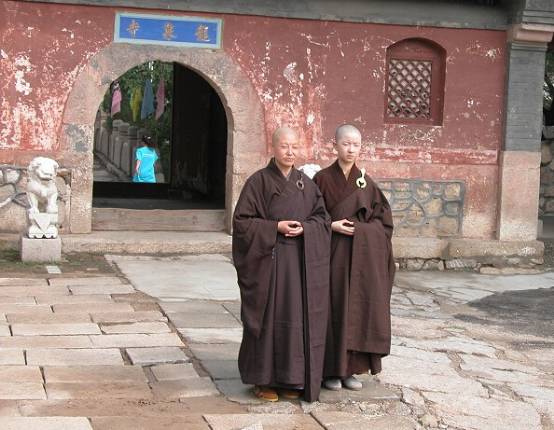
(524, 311)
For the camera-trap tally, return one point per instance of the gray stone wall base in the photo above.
(466, 254)
(40, 250)
(412, 253)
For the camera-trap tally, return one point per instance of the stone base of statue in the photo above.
(40, 250)
(42, 225)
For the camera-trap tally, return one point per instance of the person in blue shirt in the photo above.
(146, 157)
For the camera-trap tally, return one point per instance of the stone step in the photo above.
(158, 219)
(137, 242)
(148, 242)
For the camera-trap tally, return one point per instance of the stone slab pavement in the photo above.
(154, 344)
(92, 352)
(469, 351)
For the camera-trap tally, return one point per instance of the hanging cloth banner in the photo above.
(136, 100)
(160, 99)
(116, 99)
(147, 100)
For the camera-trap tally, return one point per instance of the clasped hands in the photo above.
(294, 228)
(343, 226)
(290, 228)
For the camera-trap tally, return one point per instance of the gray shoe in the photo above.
(333, 384)
(352, 383)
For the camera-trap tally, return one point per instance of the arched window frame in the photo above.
(419, 53)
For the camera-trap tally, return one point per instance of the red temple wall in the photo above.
(311, 75)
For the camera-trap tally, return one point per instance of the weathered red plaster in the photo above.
(343, 67)
(43, 47)
(312, 75)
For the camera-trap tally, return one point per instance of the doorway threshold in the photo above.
(155, 203)
(113, 219)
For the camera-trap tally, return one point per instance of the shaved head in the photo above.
(285, 147)
(348, 144)
(282, 132)
(346, 130)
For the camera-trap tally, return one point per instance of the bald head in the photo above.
(348, 144)
(347, 130)
(282, 133)
(285, 147)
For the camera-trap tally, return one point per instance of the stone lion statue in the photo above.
(41, 186)
(42, 195)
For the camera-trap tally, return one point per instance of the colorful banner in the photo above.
(160, 99)
(116, 100)
(147, 107)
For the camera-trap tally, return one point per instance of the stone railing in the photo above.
(116, 149)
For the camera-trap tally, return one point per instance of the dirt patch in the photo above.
(72, 264)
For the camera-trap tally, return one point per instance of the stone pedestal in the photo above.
(40, 250)
(520, 160)
(518, 210)
(42, 225)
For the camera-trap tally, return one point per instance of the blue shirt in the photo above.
(148, 158)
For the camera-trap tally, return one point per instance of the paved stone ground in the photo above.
(94, 353)
(80, 352)
(474, 351)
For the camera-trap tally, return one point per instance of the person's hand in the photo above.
(290, 228)
(343, 227)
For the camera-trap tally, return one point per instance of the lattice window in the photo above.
(415, 82)
(409, 89)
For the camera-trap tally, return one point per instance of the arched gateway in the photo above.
(246, 134)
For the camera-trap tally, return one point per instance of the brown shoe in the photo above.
(265, 393)
(290, 394)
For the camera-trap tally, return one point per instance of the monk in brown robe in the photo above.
(281, 240)
(362, 266)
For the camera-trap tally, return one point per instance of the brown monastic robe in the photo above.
(284, 282)
(362, 271)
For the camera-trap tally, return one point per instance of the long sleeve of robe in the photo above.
(362, 272)
(284, 282)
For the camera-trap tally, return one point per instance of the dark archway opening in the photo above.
(190, 135)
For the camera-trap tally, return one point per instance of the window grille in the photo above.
(409, 94)
(415, 82)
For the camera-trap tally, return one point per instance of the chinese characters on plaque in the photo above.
(171, 30)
